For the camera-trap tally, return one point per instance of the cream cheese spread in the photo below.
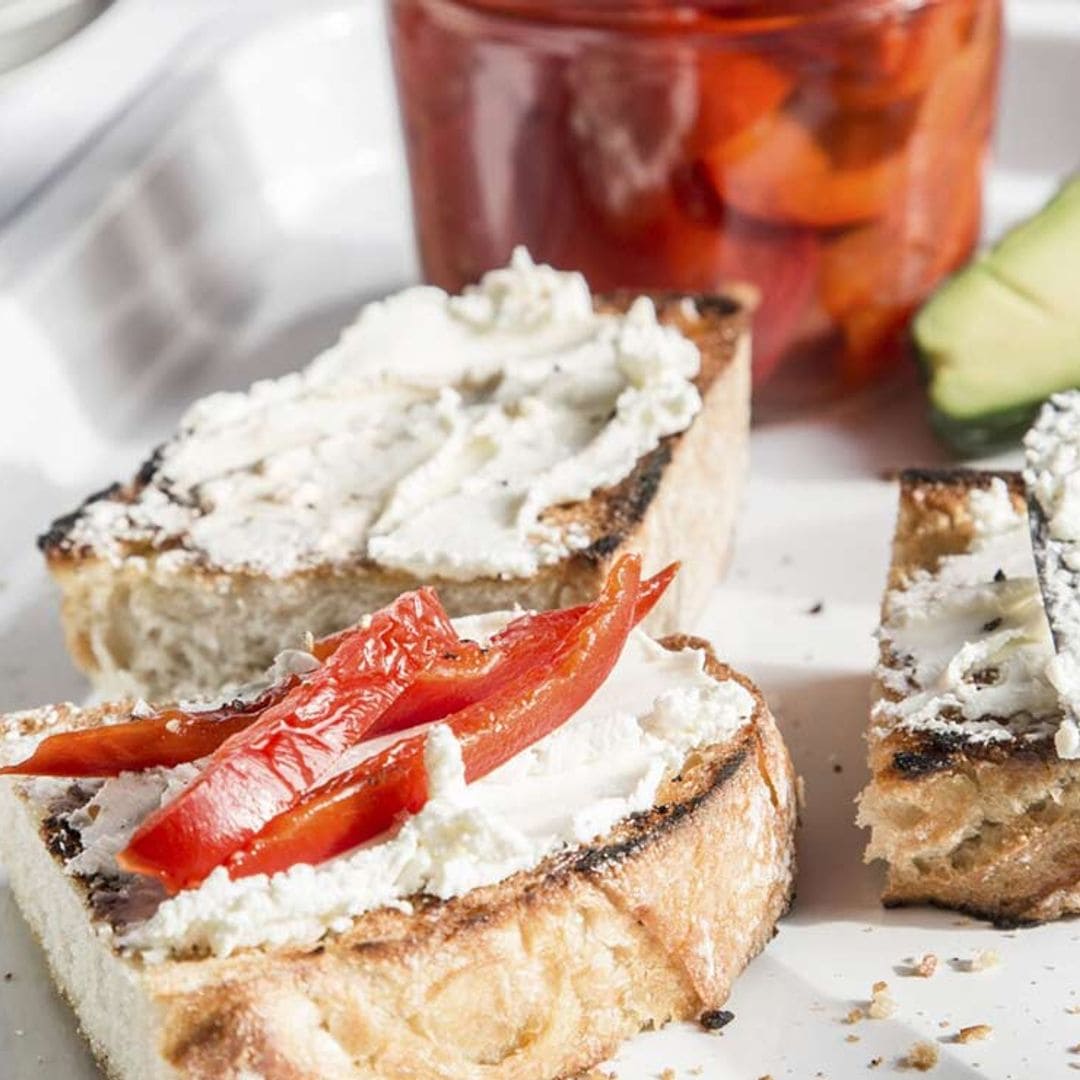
(970, 642)
(1052, 451)
(1052, 476)
(431, 439)
(605, 763)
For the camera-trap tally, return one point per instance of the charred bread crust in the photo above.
(621, 508)
(917, 755)
(981, 827)
(933, 518)
(539, 976)
(921, 480)
(57, 537)
(934, 521)
(612, 512)
(999, 919)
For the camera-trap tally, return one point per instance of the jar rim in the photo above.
(682, 16)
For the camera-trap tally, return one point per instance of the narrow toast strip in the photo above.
(969, 804)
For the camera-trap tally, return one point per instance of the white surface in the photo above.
(29, 28)
(264, 212)
(74, 90)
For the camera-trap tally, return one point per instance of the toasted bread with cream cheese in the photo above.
(969, 804)
(139, 622)
(536, 977)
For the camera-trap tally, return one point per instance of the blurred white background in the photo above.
(52, 104)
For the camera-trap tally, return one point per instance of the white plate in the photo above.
(271, 200)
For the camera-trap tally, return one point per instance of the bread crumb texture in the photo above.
(973, 1033)
(982, 961)
(922, 1056)
(882, 1005)
(926, 966)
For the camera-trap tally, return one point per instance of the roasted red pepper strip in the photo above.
(264, 770)
(365, 801)
(453, 684)
(169, 737)
(560, 619)
(174, 736)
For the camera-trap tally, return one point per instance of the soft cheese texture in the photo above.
(572, 786)
(1052, 475)
(431, 439)
(106, 823)
(1052, 453)
(971, 641)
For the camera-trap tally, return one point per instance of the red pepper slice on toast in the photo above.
(168, 737)
(453, 683)
(365, 801)
(264, 770)
(174, 736)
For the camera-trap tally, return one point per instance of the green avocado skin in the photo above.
(1003, 334)
(976, 438)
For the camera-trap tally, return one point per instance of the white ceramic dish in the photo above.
(261, 196)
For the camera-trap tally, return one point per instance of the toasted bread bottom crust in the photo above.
(989, 829)
(538, 977)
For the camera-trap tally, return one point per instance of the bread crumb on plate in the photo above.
(926, 966)
(973, 1033)
(981, 961)
(922, 1056)
(882, 1005)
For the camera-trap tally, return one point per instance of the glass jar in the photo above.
(830, 153)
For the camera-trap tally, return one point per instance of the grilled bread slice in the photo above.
(139, 623)
(969, 804)
(539, 976)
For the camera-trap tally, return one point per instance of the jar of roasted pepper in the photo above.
(829, 152)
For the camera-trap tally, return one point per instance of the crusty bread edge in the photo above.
(650, 924)
(959, 824)
(680, 501)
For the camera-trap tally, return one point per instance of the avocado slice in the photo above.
(1002, 335)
